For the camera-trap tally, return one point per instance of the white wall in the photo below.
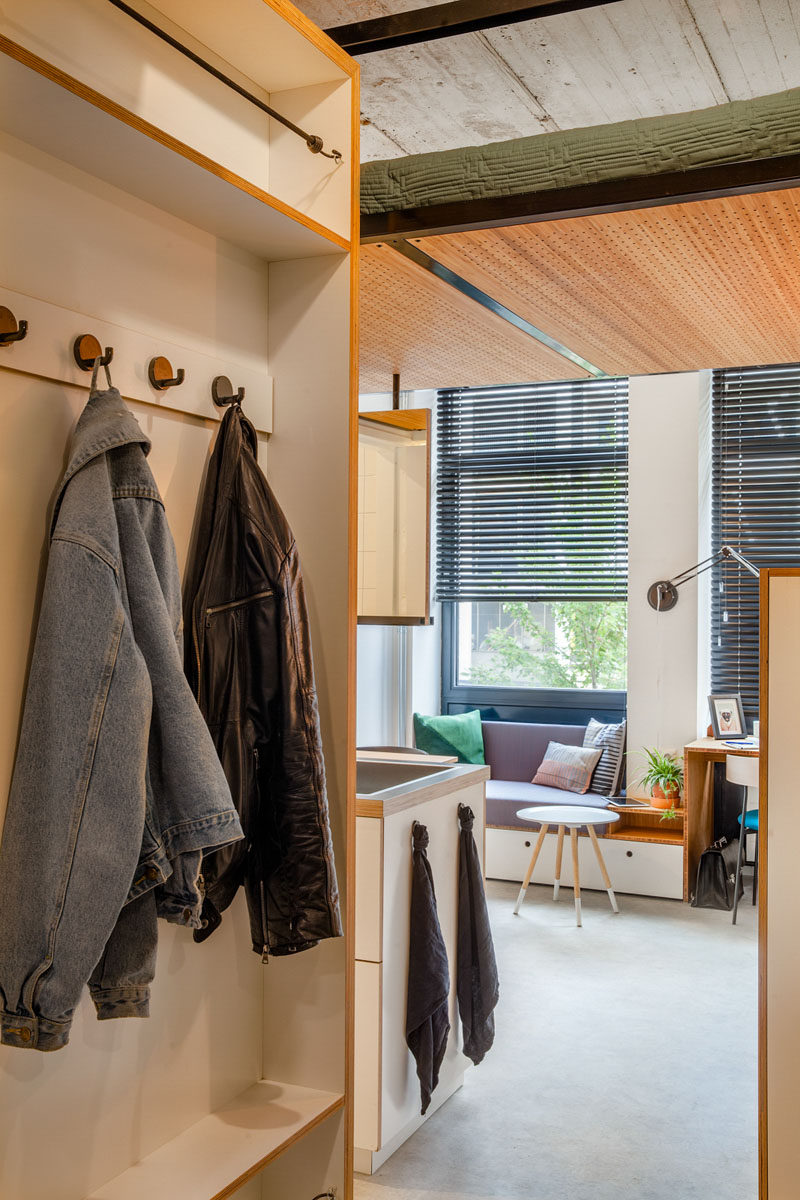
(663, 541)
(704, 552)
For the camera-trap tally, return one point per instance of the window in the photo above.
(755, 507)
(532, 537)
(561, 644)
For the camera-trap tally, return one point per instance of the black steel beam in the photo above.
(494, 306)
(446, 20)
(611, 195)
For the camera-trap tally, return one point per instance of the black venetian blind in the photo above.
(755, 507)
(532, 492)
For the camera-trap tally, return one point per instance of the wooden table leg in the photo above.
(527, 878)
(603, 871)
(559, 852)
(573, 833)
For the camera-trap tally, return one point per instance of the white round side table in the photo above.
(572, 817)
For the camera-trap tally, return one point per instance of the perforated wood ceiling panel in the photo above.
(415, 325)
(714, 283)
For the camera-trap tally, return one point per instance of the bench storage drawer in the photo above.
(640, 868)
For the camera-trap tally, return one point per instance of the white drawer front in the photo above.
(369, 890)
(367, 1066)
(641, 868)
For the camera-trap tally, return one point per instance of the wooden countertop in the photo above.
(420, 791)
(396, 756)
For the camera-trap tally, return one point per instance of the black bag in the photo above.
(716, 876)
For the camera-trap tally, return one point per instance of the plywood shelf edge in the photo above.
(640, 833)
(214, 1157)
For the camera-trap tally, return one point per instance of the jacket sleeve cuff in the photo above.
(33, 1033)
(121, 1002)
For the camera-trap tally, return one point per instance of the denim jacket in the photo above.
(117, 789)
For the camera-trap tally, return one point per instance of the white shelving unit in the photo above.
(215, 1157)
(144, 201)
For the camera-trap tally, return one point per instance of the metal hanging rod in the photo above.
(312, 140)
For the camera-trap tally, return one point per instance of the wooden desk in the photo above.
(698, 791)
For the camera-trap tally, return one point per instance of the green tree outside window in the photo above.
(587, 647)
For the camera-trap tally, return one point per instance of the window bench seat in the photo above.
(514, 750)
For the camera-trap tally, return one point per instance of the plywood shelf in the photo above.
(648, 810)
(639, 833)
(217, 1155)
(44, 107)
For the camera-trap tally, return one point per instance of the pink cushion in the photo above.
(568, 768)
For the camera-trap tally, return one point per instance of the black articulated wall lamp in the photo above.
(663, 594)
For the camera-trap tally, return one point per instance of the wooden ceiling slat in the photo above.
(414, 325)
(712, 283)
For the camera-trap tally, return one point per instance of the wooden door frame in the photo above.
(766, 575)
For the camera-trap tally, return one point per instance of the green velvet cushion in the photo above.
(461, 735)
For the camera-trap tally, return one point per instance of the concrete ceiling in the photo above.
(636, 58)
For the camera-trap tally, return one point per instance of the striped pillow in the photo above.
(611, 740)
(568, 768)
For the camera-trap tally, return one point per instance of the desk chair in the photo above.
(744, 771)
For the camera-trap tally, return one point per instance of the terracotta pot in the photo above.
(665, 797)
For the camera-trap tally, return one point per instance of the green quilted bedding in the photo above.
(768, 126)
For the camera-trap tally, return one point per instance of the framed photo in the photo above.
(727, 715)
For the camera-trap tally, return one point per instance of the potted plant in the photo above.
(664, 778)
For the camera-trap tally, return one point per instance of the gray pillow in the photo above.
(611, 740)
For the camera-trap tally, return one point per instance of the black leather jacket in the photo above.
(248, 660)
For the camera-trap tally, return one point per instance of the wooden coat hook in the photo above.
(86, 349)
(159, 372)
(221, 391)
(10, 331)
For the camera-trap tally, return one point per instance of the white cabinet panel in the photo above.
(387, 1095)
(367, 1056)
(641, 868)
(369, 884)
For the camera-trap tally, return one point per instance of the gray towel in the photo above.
(427, 1020)
(476, 970)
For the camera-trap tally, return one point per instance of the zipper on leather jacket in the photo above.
(261, 893)
(264, 934)
(218, 608)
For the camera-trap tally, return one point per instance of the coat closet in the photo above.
(147, 203)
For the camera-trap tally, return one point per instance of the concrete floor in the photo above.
(624, 1066)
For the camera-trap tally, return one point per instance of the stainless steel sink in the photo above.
(374, 777)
